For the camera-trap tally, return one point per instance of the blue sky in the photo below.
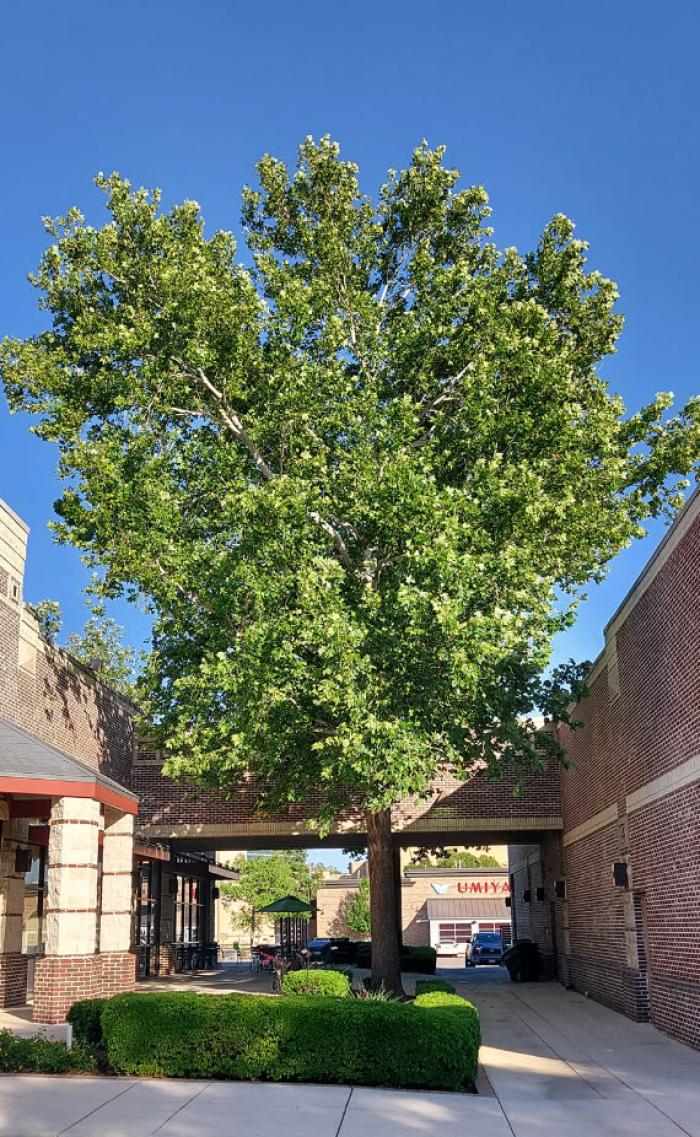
(590, 109)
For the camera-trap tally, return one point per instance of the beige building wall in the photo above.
(480, 893)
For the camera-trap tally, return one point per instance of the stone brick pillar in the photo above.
(70, 968)
(13, 965)
(117, 961)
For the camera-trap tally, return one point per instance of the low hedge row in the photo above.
(330, 983)
(41, 1056)
(432, 1043)
(420, 959)
(424, 986)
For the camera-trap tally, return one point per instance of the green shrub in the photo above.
(330, 983)
(461, 1016)
(301, 1039)
(84, 1017)
(420, 959)
(41, 1055)
(425, 986)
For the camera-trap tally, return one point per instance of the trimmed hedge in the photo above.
(421, 1045)
(463, 1012)
(41, 1056)
(84, 1017)
(329, 983)
(424, 986)
(420, 959)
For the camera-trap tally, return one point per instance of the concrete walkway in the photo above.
(559, 1063)
(552, 1063)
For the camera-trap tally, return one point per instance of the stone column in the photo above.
(117, 960)
(69, 970)
(13, 965)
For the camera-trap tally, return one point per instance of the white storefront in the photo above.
(479, 906)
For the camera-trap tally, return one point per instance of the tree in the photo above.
(265, 879)
(356, 912)
(100, 645)
(50, 619)
(441, 858)
(361, 483)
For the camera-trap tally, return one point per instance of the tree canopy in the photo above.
(266, 879)
(99, 645)
(441, 858)
(361, 475)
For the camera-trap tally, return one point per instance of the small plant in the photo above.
(41, 1055)
(328, 983)
(376, 994)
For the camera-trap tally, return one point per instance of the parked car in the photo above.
(448, 947)
(317, 949)
(484, 947)
(340, 949)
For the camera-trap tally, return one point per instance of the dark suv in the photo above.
(485, 947)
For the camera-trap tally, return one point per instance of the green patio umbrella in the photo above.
(288, 906)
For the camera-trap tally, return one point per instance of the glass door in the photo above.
(146, 919)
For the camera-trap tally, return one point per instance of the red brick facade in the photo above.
(481, 807)
(632, 798)
(13, 979)
(61, 980)
(62, 703)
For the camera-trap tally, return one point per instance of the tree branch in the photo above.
(232, 421)
(234, 424)
(341, 547)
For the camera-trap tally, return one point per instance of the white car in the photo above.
(448, 947)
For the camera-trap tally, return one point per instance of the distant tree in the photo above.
(99, 645)
(264, 880)
(48, 613)
(356, 911)
(441, 858)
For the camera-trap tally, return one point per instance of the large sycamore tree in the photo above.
(360, 474)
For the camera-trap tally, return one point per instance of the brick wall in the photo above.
(13, 979)
(59, 981)
(635, 948)
(60, 702)
(168, 809)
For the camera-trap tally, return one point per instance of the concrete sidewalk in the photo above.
(559, 1063)
(552, 1063)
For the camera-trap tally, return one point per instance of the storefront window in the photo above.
(34, 901)
(189, 911)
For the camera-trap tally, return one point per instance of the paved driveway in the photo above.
(553, 1063)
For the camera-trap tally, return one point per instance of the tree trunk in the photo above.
(386, 968)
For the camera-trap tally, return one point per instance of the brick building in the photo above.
(437, 905)
(623, 922)
(83, 906)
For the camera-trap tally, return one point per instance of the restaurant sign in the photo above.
(476, 888)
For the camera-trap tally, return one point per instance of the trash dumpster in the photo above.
(523, 961)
